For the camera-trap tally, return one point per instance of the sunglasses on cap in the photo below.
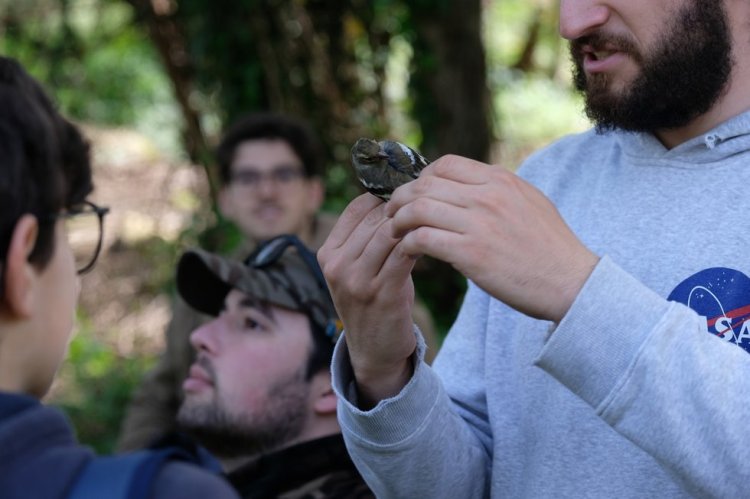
(271, 251)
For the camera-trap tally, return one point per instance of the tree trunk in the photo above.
(169, 41)
(450, 80)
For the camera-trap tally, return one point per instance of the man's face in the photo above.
(650, 66)
(246, 392)
(269, 194)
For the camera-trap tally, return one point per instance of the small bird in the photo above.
(383, 166)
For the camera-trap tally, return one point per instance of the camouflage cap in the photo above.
(204, 279)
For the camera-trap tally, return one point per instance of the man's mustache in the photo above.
(203, 361)
(604, 42)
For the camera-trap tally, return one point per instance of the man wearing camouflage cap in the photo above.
(259, 393)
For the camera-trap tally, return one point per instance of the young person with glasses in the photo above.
(270, 173)
(50, 232)
(258, 394)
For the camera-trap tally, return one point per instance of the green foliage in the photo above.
(533, 111)
(222, 47)
(99, 67)
(507, 26)
(161, 255)
(98, 384)
(222, 236)
(536, 105)
(339, 181)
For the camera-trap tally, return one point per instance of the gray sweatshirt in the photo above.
(638, 392)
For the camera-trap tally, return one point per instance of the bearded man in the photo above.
(603, 347)
(259, 393)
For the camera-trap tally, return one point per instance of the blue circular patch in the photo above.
(722, 296)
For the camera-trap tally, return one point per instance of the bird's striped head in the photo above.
(367, 151)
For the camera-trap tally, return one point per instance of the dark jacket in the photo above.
(40, 458)
(316, 469)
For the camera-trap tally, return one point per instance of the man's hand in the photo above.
(369, 276)
(497, 230)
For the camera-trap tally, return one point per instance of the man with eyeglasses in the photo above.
(269, 168)
(49, 233)
(258, 394)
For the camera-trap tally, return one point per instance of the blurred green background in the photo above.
(153, 82)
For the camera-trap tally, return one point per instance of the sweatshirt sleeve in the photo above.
(652, 371)
(417, 444)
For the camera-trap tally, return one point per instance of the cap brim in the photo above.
(198, 283)
(204, 280)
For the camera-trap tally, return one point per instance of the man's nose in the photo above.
(582, 17)
(267, 186)
(204, 337)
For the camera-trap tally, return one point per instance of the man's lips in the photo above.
(599, 54)
(197, 378)
(600, 59)
(268, 212)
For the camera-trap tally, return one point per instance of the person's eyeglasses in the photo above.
(280, 176)
(269, 252)
(84, 226)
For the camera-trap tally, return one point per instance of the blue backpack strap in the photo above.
(143, 481)
(108, 476)
(127, 476)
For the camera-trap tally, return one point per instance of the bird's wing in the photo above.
(403, 158)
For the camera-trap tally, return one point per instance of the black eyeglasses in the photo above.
(84, 226)
(270, 251)
(281, 176)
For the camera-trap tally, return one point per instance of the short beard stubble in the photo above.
(235, 434)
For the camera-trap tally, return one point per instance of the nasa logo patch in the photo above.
(722, 296)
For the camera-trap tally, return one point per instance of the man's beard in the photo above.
(681, 79)
(230, 434)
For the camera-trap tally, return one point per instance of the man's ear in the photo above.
(325, 401)
(18, 273)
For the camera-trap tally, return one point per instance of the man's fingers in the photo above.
(451, 179)
(459, 169)
(351, 218)
(427, 212)
(437, 243)
(381, 249)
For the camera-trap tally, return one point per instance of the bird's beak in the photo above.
(382, 155)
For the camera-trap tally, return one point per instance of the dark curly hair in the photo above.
(271, 126)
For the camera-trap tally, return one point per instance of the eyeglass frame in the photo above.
(100, 211)
(262, 257)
